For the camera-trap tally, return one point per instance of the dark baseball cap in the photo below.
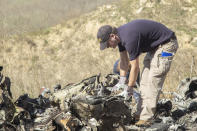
(103, 35)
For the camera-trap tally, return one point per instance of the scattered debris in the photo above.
(91, 106)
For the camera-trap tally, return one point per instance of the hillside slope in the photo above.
(69, 52)
(22, 16)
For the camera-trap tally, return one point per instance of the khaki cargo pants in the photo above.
(153, 76)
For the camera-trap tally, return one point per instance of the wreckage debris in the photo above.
(90, 106)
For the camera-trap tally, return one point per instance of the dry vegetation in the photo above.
(67, 53)
(22, 16)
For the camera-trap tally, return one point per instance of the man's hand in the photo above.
(120, 85)
(127, 93)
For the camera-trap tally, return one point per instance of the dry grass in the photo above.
(68, 53)
(181, 68)
(22, 16)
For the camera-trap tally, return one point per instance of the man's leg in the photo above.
(159, 67)
(144, 82)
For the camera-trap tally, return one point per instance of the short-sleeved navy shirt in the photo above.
(140, 36)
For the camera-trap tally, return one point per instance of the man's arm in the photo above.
(124, 63)
(134, 71)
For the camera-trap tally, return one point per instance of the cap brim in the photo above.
(103, 45)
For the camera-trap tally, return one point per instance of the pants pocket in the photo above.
(164, 64)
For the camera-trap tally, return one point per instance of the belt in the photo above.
(172, 38)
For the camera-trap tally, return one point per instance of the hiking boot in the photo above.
(136, 117)
(143, 123)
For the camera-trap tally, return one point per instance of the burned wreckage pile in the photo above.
(91, 106)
